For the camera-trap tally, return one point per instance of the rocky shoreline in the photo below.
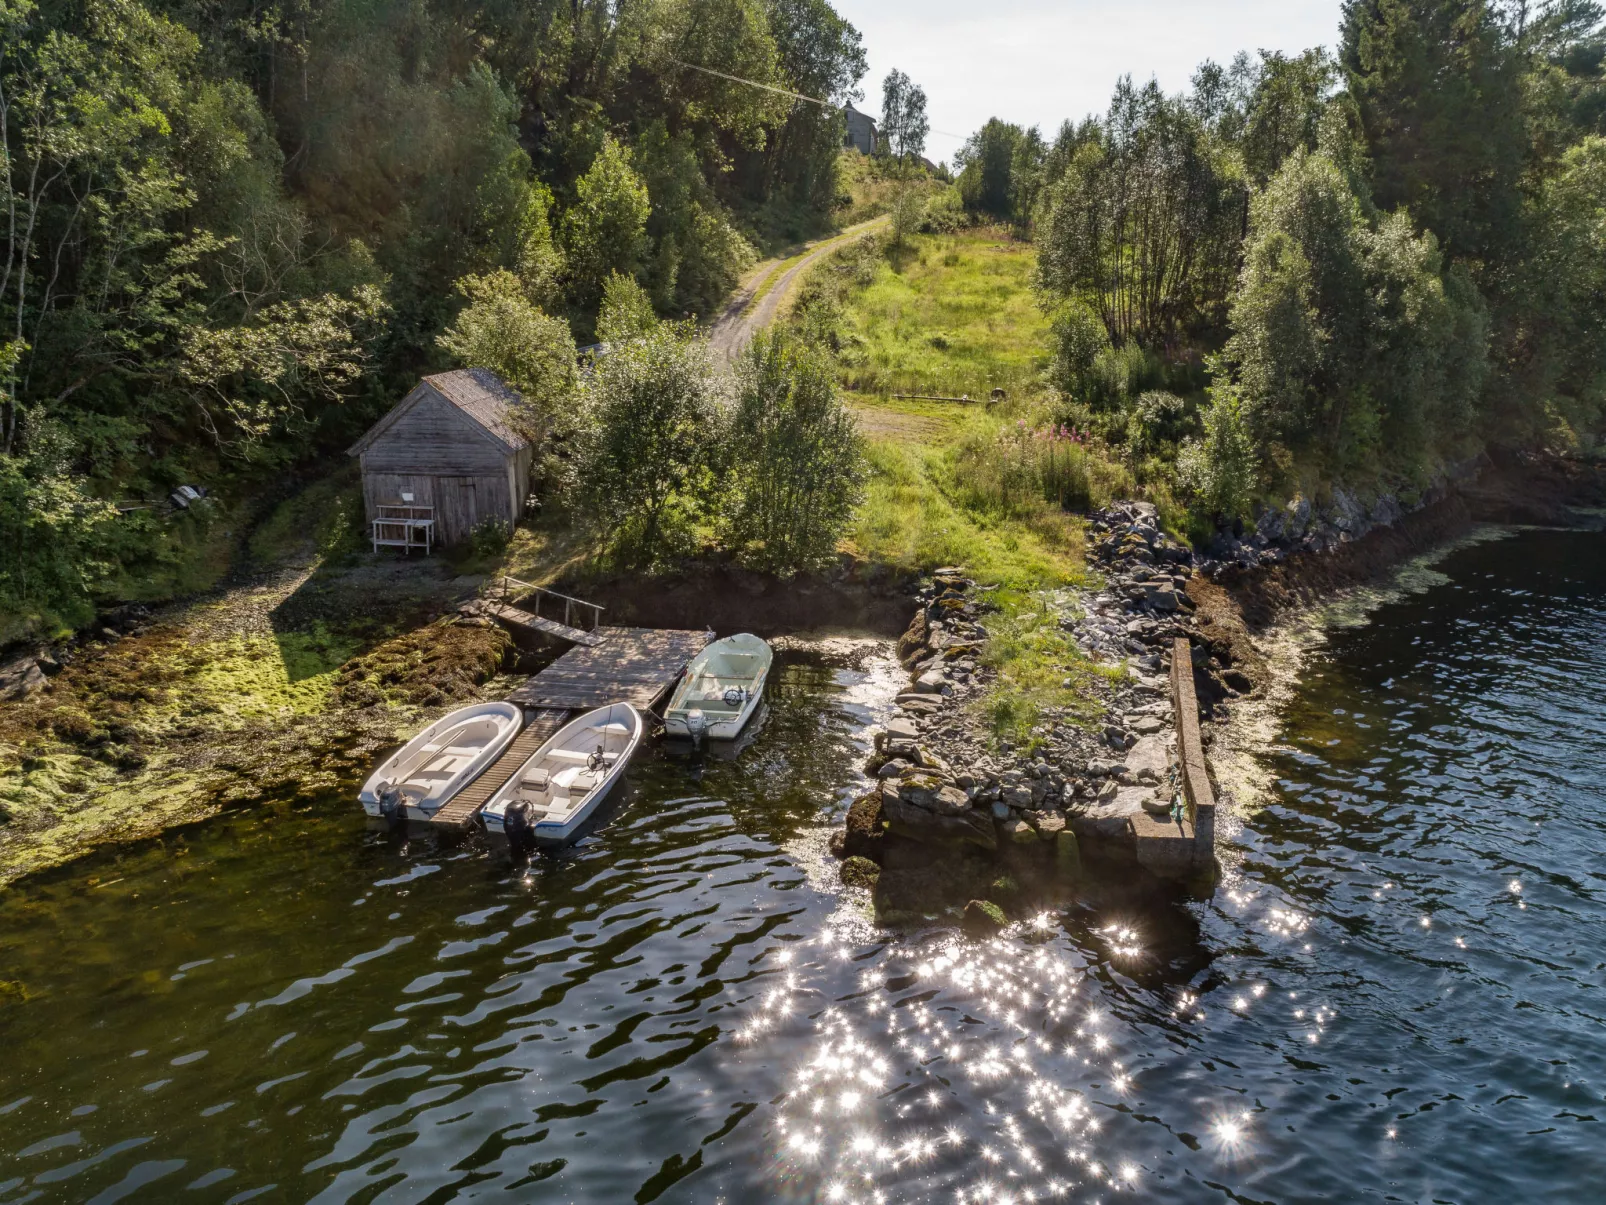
(1050, 814)
(960, 825)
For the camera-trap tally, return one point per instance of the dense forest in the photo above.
(236, 232)
(1363, 268)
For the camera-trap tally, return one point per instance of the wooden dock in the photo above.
(611, 665)
(629, 665)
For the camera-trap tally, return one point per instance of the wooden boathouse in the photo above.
(445, 459)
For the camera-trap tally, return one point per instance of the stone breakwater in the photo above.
(1076, 800)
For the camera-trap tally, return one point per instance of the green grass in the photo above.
(1039, 667)
(912, 521)
(908, 521)
(326, 517)
(950, 315)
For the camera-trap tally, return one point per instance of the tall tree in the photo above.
(903, 116)
(1439, 90)
(1145, 222)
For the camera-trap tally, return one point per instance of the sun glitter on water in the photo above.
(874, 1112)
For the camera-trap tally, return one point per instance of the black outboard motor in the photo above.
(518, 830)
(391, 804)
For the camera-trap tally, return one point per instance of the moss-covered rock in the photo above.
(983, 918)
(860, 872)
(1067, 856)
(866, 829)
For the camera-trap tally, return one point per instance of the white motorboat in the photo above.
(720, 691)
(565, 780)
(419, 779)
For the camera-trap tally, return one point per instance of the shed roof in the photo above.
(478, 393)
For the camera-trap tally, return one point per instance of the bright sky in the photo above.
(1037, 62)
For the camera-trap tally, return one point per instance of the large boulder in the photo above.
(931, 827)
(899, 731)
(913, 641)
(1049, 825)
(865, 832)
(1149, 760)
(20, 677)
(1162, 596)
(983, 918)
(1019, 832)
(1107, 820)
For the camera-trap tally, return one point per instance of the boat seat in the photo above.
(536, 779)
(576, 780)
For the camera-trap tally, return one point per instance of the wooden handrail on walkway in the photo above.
(533, 594)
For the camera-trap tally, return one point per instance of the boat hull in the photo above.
(547, 782)
(718, 730)
(701, 708)
(430, 771)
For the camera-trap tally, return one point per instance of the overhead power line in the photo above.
(813, 100)
(736, 79)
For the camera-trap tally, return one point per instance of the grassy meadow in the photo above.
(949, 314)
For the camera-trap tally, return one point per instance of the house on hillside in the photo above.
(448, 454)
(862, 133)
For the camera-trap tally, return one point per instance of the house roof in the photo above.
(477, 393)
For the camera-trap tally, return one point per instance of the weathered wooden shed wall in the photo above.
(447, 458)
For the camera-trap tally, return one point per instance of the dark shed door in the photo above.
(457, 507)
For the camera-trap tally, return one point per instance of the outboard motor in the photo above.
(697, 726)
(516, 827)
(392, 805)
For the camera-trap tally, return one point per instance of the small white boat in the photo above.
(720, 691)
(418, 780)
(565, 781)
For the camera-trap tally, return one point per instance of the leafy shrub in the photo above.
(1156, 422)
(53, 537)
(489, 538)
(503, 330)
(1079, 338)
(626, 310)
(944, 214)
(795, 462)
(1220, 469)
(652, 423)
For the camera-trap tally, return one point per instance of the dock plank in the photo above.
(461, 809)
(634, 665)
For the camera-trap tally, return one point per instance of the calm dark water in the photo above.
(1399, 993)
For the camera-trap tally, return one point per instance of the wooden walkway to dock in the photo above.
(461, 809)
(518, 620)
(613, 665)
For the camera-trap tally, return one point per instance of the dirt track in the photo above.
(741, 318)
